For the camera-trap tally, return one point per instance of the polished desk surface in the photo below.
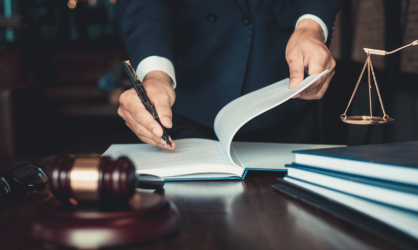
(246, 214)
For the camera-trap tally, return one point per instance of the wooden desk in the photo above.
(246, 214)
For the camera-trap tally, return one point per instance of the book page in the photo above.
(238, 112)
(267, 155)
(188, 152)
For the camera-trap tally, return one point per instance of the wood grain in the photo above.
(246, 214)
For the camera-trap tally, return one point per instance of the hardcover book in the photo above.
(397, 162)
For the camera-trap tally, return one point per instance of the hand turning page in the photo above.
(238, 112)
(195, 159)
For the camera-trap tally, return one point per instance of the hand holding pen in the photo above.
(139, 116)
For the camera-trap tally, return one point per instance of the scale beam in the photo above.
(383, 53)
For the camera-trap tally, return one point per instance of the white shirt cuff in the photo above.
(316, 19)
(152, 63)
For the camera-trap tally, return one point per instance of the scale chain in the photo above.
(370, 85)
(385, 116)
(355, 89)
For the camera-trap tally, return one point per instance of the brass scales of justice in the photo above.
(365, 119)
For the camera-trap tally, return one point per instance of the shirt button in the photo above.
(212, 18)
(246, 20)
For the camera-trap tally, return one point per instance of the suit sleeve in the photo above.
(147, 30)
(289, 11)
(326, 10)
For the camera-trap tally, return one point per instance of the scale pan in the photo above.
(365, 120)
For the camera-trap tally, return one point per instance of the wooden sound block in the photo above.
(146, 217)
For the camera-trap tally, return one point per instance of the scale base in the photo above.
(366, 120)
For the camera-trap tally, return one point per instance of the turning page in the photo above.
(238, 112)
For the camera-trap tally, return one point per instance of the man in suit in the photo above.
(207, 53)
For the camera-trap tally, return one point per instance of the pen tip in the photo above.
(169, 143)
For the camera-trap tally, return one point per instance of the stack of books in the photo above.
(378, 180)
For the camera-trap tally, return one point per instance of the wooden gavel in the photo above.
(112, 220)
(97, 179)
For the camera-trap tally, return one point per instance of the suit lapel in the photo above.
(243, 5)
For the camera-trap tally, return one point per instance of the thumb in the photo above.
(164, 112)
(296, 72)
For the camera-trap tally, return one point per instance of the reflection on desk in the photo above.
(246, 214)
(207, 196)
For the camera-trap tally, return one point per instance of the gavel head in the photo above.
(93, 179)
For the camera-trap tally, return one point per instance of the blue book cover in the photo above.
(404, 154)
(401, 187)
(374, 217)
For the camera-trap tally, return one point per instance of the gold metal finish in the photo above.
(383, 53)
(371, 120)
(366, 120)
(84, 179)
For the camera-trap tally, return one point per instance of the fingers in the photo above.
(142, 133)
(164, 146)
(162, 97)
(306, 50)
(136, 127)
(317, 64)
(317, 90)
(131, 103)
(145, 139)
(296, 69)
(173, 144)
(162, 104)
(140, 121)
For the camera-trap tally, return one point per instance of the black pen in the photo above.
(136, 83)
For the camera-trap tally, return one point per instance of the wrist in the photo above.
(312, 27)
(158, 76)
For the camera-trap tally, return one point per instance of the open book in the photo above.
(196, 159)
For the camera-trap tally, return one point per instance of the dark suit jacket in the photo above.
(221, 49)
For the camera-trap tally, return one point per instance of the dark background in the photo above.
(60, 76)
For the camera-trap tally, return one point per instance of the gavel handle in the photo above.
(147, 181)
